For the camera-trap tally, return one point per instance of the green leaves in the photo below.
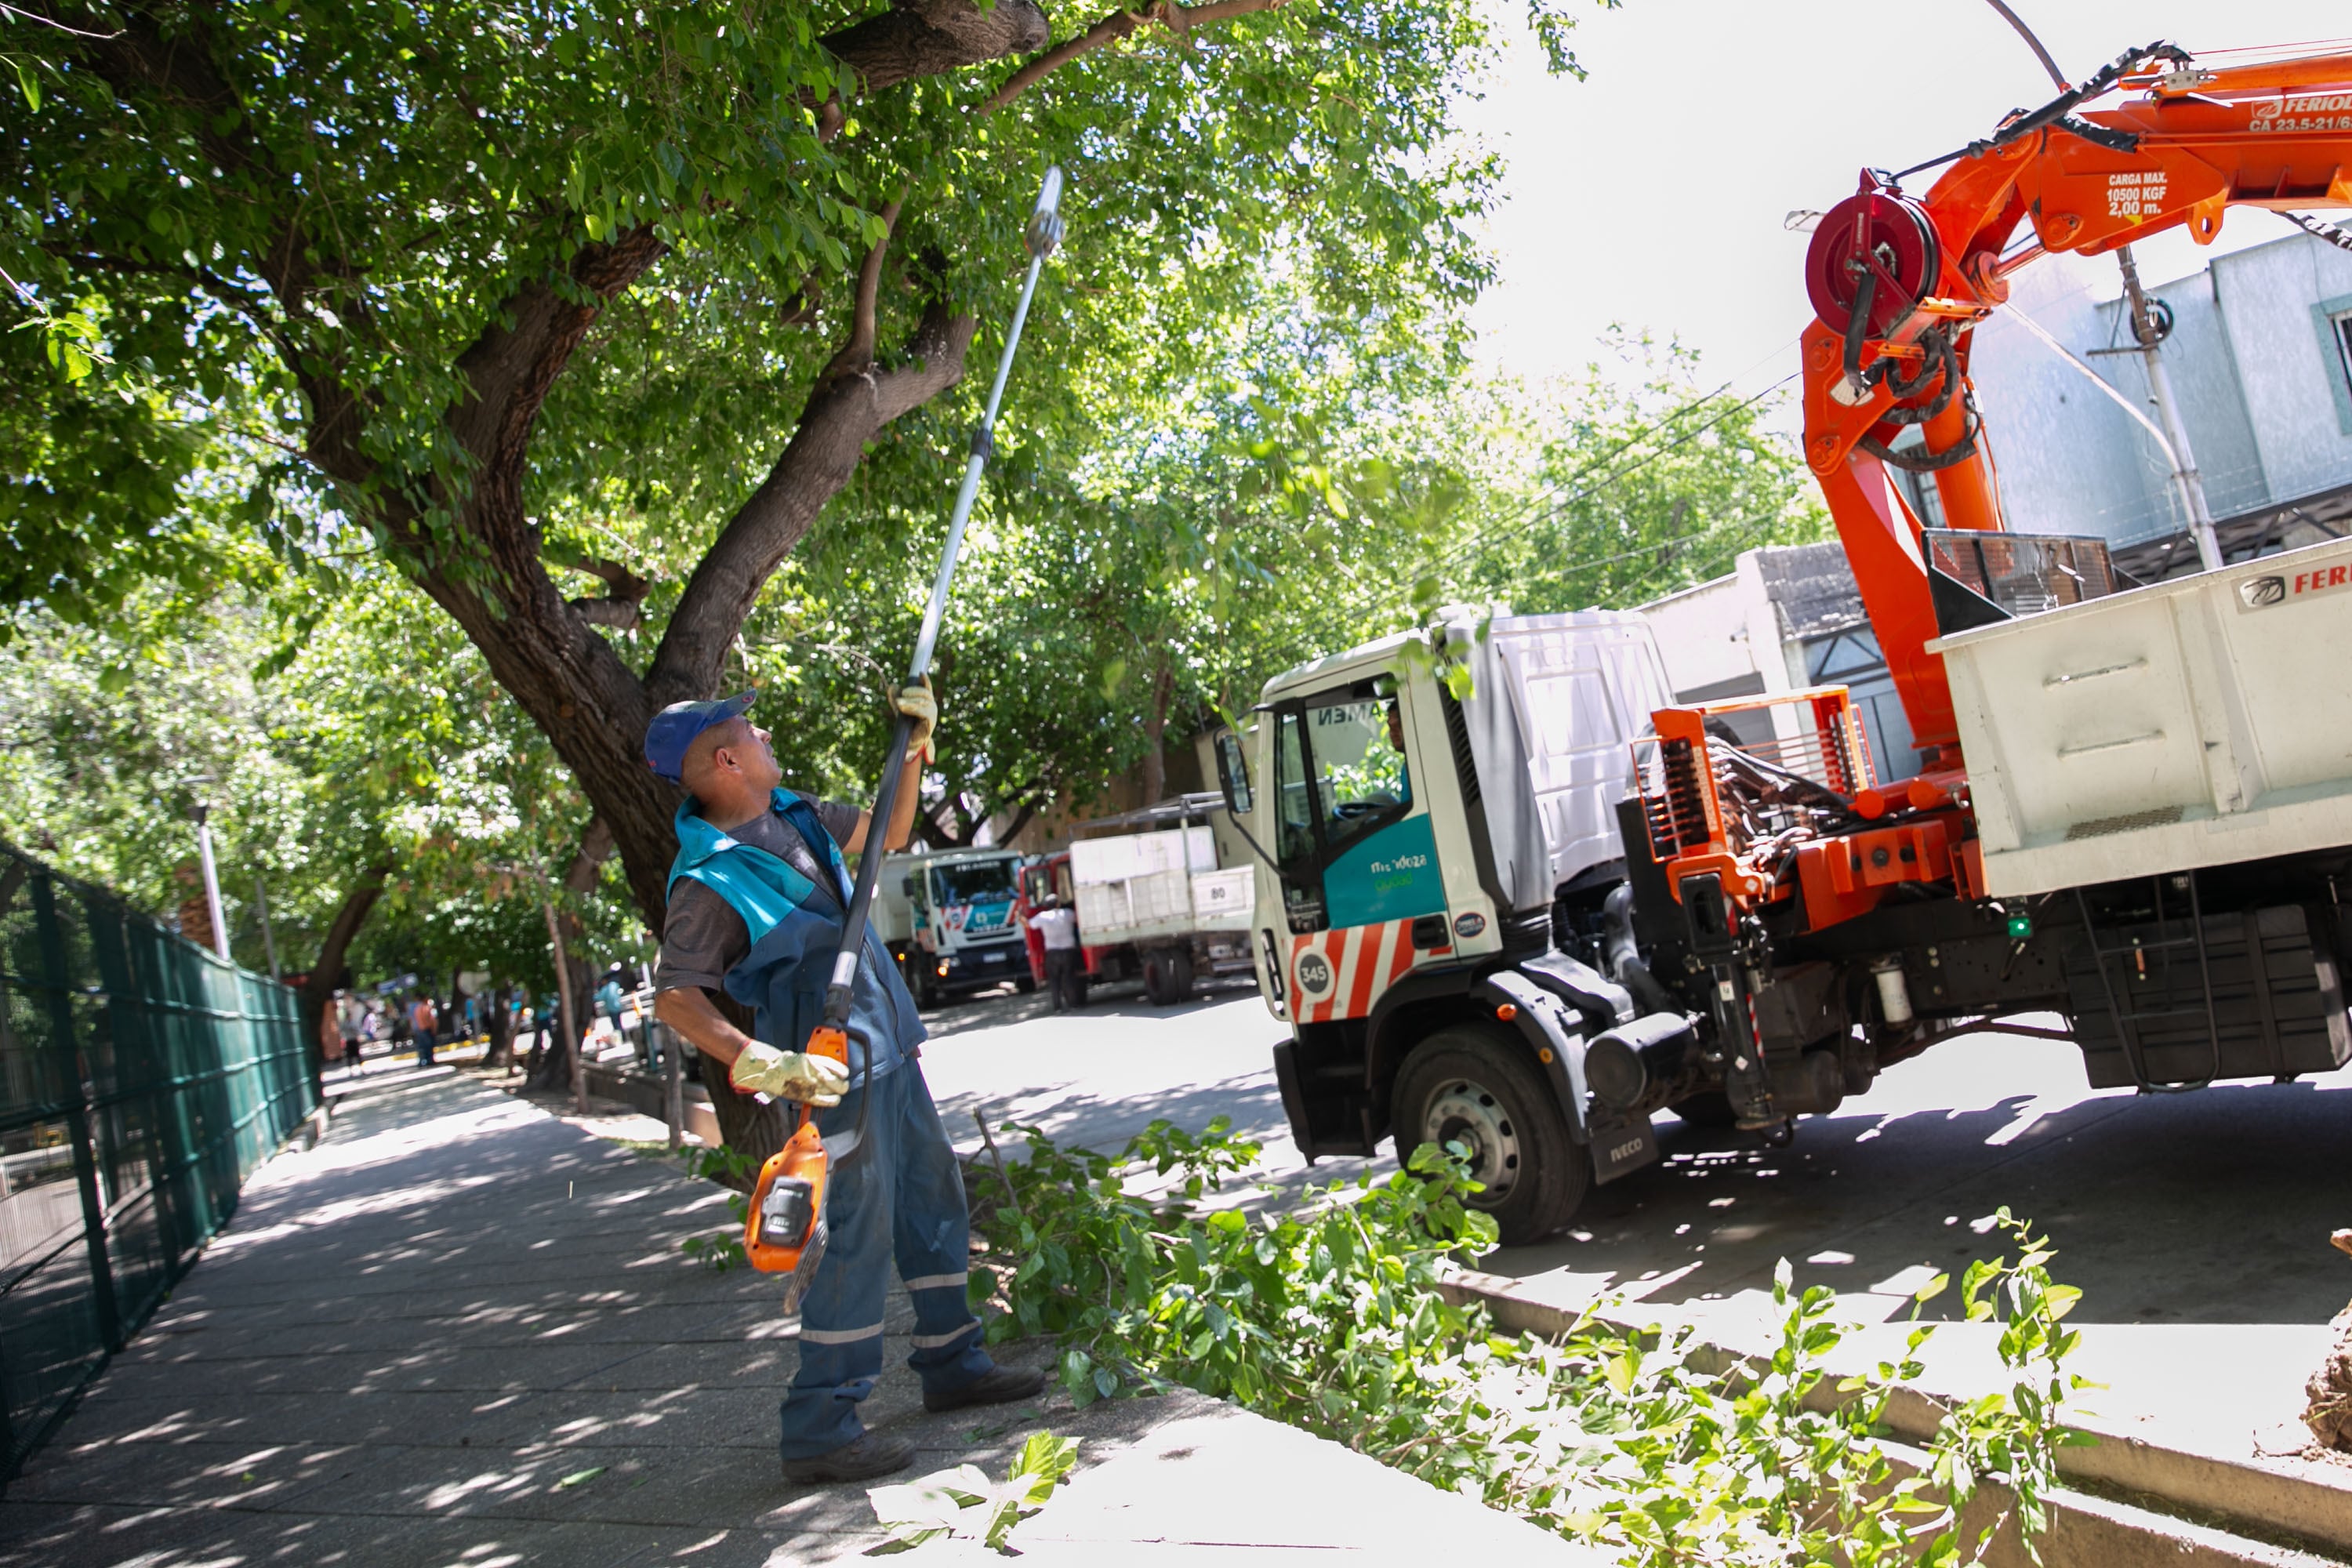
(1328, 1316)
(964, 1504)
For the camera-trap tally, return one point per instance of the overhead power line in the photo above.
(1488, 538)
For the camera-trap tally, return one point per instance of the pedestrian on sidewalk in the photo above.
(423, 1019)
(1057, 926)
(757, 896)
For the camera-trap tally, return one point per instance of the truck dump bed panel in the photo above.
(2197, 722)
(1139, 887)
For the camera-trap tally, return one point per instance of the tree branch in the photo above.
(857, 354)
(620, 615)
(1118, 24)
(623, 582)
(843, 414)
(510, 366)
(931, 37)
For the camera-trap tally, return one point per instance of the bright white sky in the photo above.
(1653, 195)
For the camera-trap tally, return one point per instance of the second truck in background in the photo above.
(948, 919)
(1152, 898)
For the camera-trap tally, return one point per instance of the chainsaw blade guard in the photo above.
(797, 1283)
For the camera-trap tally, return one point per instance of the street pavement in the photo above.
(2197, 1225)
(460, 1332)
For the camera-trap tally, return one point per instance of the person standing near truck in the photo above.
(1057, 927)
(423, 1019)
(757, 896)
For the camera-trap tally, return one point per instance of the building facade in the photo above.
(2260, 358)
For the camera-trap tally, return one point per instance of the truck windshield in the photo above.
(1360, 779)
(974, 881)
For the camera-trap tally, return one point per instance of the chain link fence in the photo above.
(141, 1080)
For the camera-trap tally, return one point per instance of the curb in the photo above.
(2266, 1505)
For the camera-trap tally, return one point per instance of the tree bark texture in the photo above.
(1155, 735)
(319, 989)
(501, 1027)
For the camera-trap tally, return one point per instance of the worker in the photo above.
(757, 899)
(1057, 927)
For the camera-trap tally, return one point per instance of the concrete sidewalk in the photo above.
(460, 1331)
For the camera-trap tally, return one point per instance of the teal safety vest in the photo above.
(783, 978)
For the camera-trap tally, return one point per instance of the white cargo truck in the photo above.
(1524, 919)
(1156, 904)
(948, 917)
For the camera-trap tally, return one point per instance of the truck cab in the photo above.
(1429, 823)
(948, 917)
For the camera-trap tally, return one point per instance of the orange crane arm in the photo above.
(1898, 284)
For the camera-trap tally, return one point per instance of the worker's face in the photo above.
(747, 753)
(1396, 725)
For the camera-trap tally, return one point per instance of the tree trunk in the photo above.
(318, 990)
(1155, 735)
(500, 1024)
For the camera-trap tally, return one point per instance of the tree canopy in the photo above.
(406, 399)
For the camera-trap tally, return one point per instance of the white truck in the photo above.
(948, 917)
(1509, 920)
(1157, 904)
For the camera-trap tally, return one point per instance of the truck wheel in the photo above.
(1475, 1087)
(1179, 976)
(1157, 987)
(919, 985)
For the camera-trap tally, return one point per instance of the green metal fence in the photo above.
(141, 1080)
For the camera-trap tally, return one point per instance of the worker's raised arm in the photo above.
(917, 703)
(902, 812)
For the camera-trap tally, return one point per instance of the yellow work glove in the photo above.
(919, 703)
(791, 1074)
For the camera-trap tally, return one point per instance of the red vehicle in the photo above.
(1045, 881)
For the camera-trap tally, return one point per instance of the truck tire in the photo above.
(920, 984)
(1473, 1085)
(1179, 976)
(1158, 983)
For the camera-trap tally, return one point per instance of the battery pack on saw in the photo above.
(786, 1203)
(783, 1225)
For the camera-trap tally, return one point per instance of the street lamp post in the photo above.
(211, 880)
(268, 939)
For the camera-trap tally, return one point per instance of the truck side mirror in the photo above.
(906, 884)
(1233, 773)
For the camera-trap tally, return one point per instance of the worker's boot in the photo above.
(997, 1385)
(868, 1455)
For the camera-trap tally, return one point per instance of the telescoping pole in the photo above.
(1044, 232)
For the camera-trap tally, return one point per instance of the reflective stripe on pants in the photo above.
(901, 1200)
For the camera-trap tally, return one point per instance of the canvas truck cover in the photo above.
(1555, 705)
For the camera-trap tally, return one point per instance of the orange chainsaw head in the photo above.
(785, 1218)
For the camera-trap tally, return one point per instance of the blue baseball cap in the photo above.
(676, 726)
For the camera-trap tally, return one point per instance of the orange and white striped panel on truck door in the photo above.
(1339, 974)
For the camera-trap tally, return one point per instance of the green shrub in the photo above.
(1327, 1316)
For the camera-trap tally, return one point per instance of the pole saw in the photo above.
(784, 1228)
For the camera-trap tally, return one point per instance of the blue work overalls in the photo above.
(902, 1194)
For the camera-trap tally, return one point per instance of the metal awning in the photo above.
(2264, 530)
